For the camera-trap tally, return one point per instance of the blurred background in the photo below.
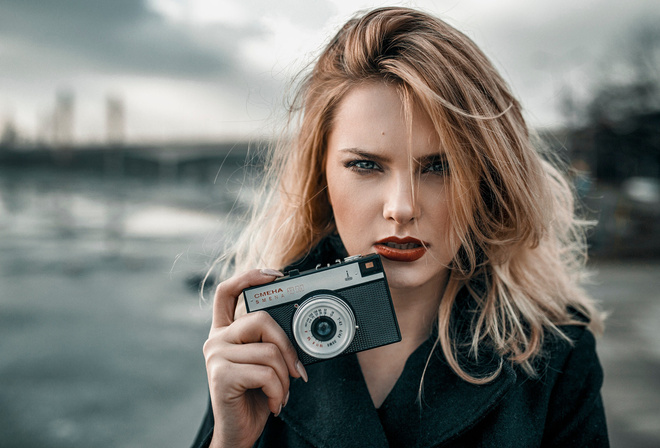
(125, 132)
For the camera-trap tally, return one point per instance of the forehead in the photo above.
(373, 117)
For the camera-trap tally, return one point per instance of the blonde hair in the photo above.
(522, 250)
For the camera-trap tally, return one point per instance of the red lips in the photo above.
(406, 249)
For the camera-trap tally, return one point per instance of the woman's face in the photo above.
(371, 178)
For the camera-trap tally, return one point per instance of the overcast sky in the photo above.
(218, 69)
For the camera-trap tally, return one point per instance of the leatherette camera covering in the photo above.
(369, 301)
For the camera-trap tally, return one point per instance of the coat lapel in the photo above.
(449, 405)
(334, 408)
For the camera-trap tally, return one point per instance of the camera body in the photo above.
(333, 310)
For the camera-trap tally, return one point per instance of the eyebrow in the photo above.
(365, 154)
(429, 158)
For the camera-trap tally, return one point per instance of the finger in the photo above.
(261, 327)
(252, 376)
(264, 354)
(227, 292)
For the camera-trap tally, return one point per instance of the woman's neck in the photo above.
(417, 310)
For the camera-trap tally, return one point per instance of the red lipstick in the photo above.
(406, 249)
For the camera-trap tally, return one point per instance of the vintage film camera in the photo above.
(330, 311)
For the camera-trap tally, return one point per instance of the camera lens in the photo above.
(324, 328)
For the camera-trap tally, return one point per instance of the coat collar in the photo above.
(334, 408)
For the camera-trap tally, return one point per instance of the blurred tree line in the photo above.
(612, 143)
(615, 130)
(637, 90)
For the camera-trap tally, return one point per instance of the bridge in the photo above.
(170, 160)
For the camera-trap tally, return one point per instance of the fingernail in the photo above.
(286, 399)
(301, 370)
(278, 411)
(271, 272)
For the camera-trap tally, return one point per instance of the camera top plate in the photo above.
(353, 271)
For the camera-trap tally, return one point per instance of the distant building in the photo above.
(63, 119)
(115, 121)
(8, 134)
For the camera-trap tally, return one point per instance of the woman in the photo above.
(412, 146)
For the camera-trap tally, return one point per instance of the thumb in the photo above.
(228, 292)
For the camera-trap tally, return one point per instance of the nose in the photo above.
(400, 205)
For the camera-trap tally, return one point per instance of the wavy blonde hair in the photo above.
(512, 210)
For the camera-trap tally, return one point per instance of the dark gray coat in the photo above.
(560, 408)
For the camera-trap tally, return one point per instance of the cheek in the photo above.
(437, 212)
(354, 207)
(442, 220)
(345, 202)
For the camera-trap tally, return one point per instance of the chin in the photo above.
(414, 275)
(404, 277)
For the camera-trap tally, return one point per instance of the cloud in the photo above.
(544, 48)
(181, 78)
(209, 67)
(119, 36)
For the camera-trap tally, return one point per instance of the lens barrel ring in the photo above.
(323, 326)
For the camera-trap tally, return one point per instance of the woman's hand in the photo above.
(248, 363)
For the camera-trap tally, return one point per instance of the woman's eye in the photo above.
(362, 165)
(437, 167)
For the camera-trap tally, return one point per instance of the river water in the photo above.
(101, 326)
